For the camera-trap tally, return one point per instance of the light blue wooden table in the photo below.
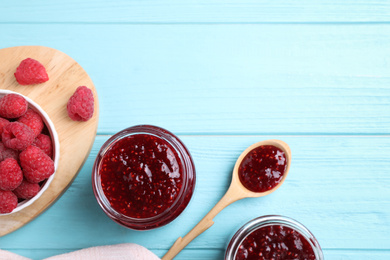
(223, 75)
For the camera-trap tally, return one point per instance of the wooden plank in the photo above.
(230, 79)
(195, 11)
(212, 254)
(357, 254)
(338, 187)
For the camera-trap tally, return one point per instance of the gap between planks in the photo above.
(198, 248)
(270, 134)
(335, 23)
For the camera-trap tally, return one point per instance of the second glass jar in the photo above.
(273, 237)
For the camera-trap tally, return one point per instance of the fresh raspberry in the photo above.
(33, 120)
(8, 201)
(30, 72)
(10, 153)
(37, 166)
(11, 176)
(2, 150)
(17, 136)
(12, 106)
(44, 143)
(7, 153)
(81, 104)
(3, 122)
(27, 190)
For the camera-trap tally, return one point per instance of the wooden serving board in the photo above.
(76, 138)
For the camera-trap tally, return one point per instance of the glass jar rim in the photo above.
(189, 177)
(268, 220)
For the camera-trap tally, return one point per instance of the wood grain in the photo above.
(213, 254)
(212, 71)
(76, 138)
(196, 11)
(338, 187)
(231, 79)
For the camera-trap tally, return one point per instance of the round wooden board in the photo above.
(76, 138)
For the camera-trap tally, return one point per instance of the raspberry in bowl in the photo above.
(29, 151)
(143, 177)
(273, 237)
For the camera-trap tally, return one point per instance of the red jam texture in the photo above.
(262, 168)
(275, 242)
(141, 176)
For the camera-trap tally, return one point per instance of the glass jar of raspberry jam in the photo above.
(273, 237)
(143, 177)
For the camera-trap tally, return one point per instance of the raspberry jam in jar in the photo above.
(262, 168)
(143, 177)
(273, 237)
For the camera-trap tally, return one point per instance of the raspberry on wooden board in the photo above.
(31, 72)
(81, 104)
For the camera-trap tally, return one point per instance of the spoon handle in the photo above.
(231, 196)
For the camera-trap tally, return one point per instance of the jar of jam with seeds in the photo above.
(143, 177)
(273, 237)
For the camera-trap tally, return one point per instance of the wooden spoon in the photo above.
(235, 192)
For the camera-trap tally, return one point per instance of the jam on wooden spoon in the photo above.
(259, 171)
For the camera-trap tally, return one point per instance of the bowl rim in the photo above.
(56, 149)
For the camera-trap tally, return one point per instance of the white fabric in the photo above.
(5, 255)
(114, 252)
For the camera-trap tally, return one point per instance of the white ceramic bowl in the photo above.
(56, 149)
